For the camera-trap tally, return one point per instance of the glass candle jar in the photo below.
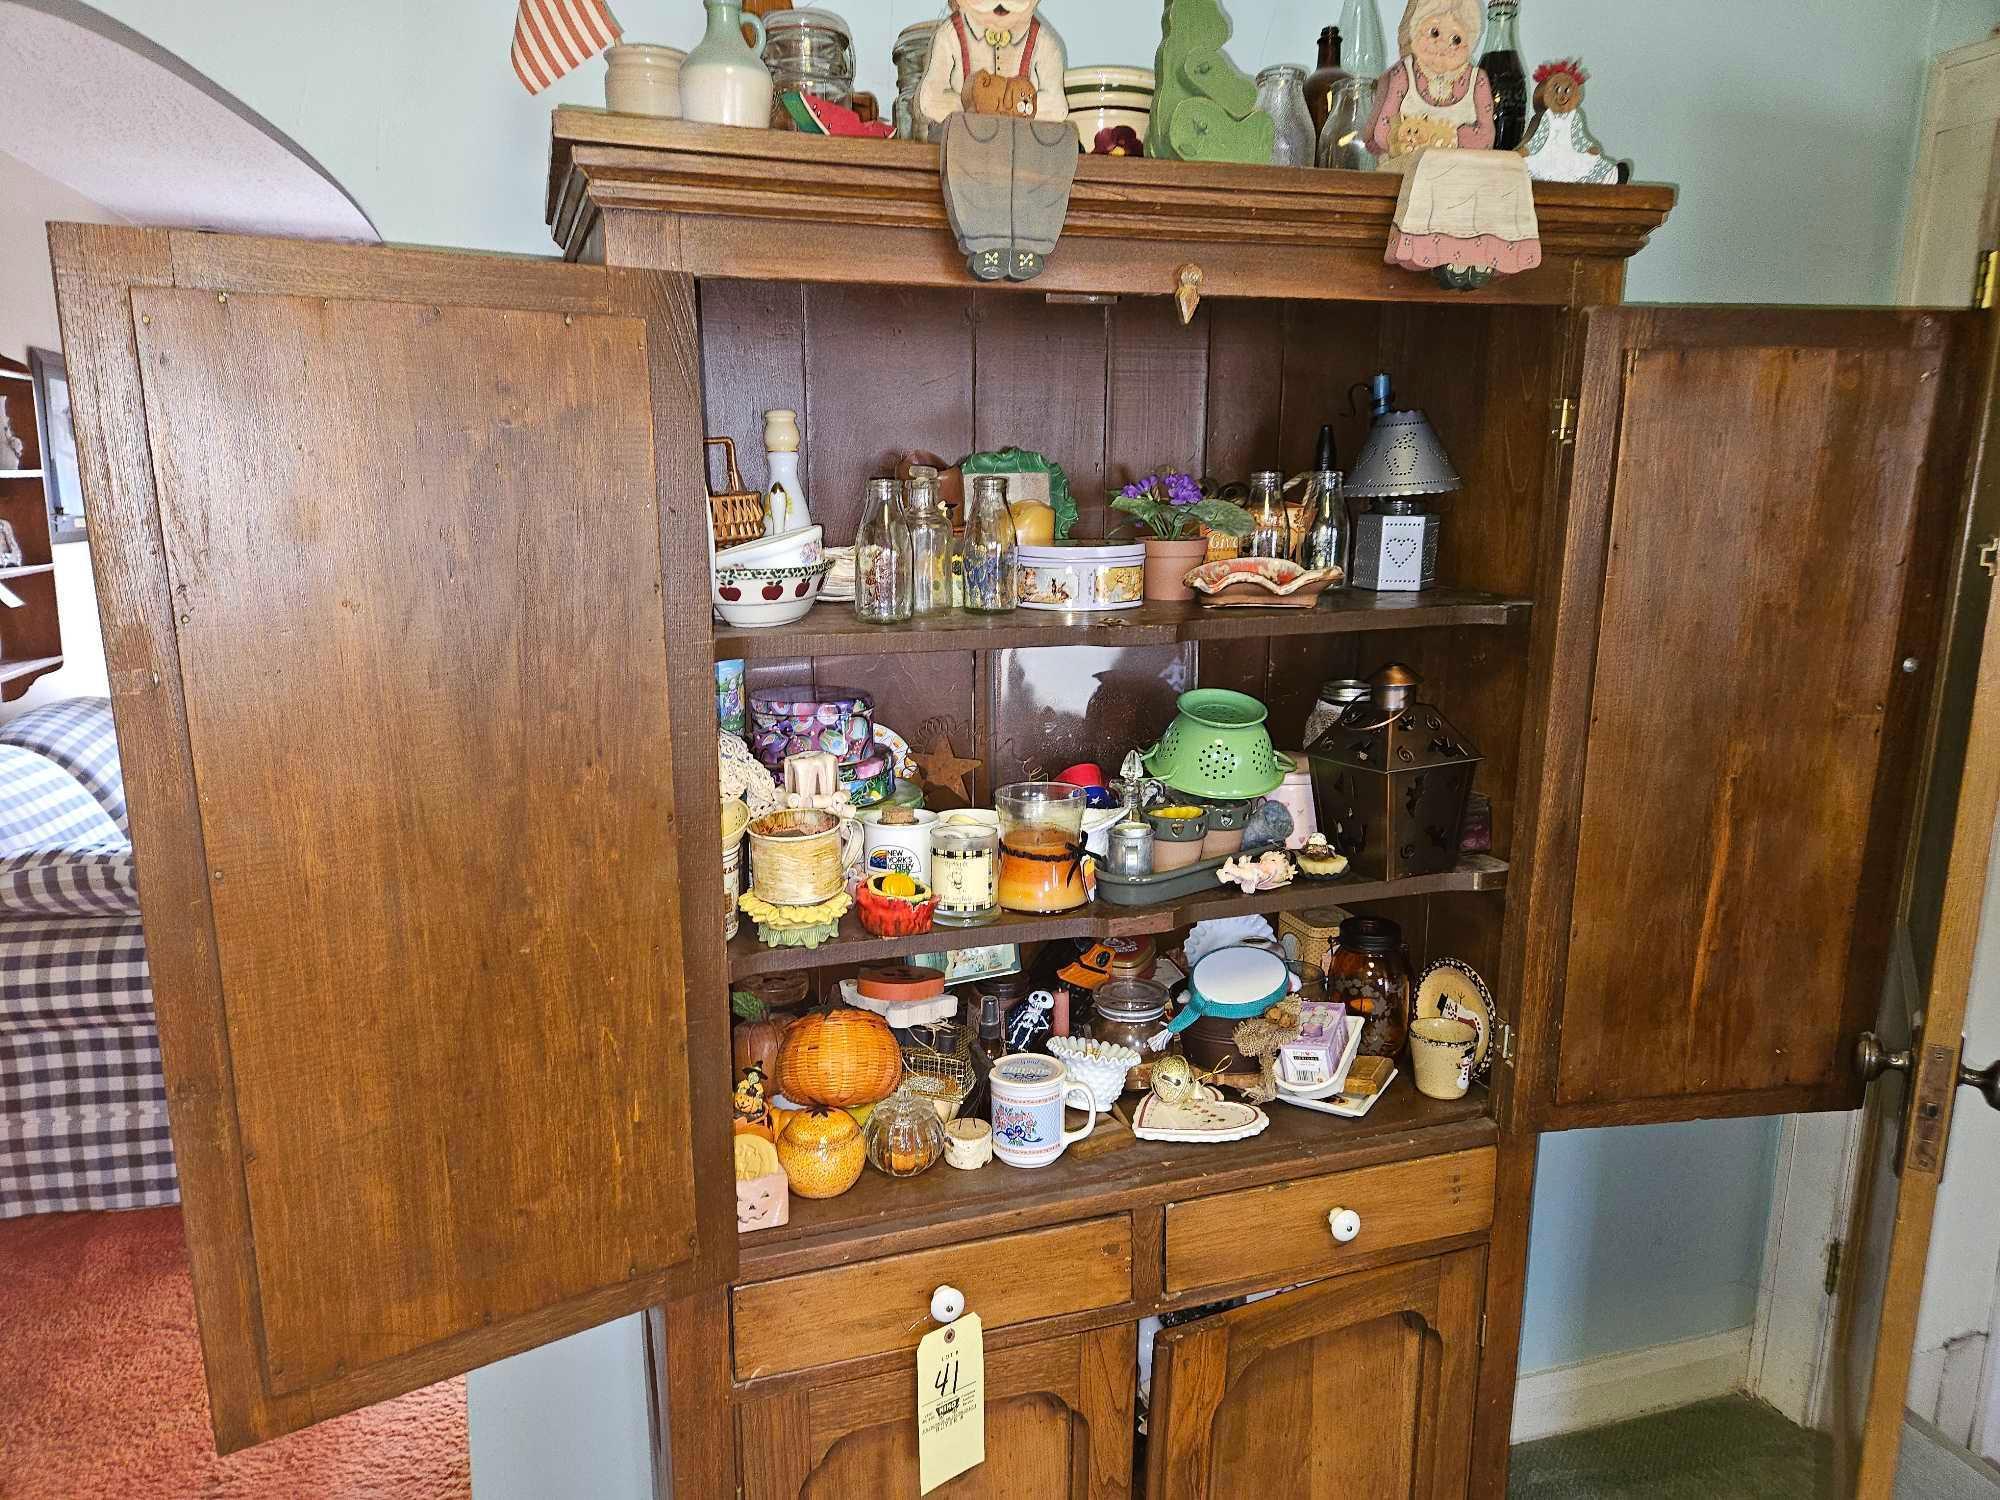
(965, 873)
(1369, 968)
(1041, 846)
(912, 57)
(1130, 1013)
(810, 50)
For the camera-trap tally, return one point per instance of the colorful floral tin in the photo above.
(1081, 575)
(800, 720)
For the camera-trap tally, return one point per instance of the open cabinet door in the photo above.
(1748, 572)
(390, 547)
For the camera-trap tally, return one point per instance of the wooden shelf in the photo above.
(943, 1202)
(854, 945)
(832, 629)
(773, 205)
(34, 666)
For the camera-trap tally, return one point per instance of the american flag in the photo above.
(553, 36)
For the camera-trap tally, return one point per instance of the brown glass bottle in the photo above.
(1369, 968)
(1325, 79)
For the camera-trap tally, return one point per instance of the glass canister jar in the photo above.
(1130, 1013)
(1334, 696)
(810, 50)
(904, 1135)
(1041, 846)
(912, 56)
(1369, 968)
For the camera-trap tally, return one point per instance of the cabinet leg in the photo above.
(1506, 1284)
(694, 1450)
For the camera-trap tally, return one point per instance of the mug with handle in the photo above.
(1029, 1092)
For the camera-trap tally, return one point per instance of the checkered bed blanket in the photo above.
(83, 1103)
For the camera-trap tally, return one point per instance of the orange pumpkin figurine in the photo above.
(822, 1153)
(841, 1058)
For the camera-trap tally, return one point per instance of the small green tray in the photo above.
(1152, 890)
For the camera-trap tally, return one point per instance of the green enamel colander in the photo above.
(1218, 747)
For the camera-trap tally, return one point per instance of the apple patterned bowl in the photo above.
(756, 597)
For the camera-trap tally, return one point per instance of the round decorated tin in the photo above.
(1081, 576)
(801, 720)
(870, 782)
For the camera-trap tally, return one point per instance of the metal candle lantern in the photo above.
(1396, 541)
(1391, 776)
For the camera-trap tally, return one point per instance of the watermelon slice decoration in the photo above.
(816, 116)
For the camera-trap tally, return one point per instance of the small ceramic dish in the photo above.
(894, 905)
(790, 549)
(1452, 990)
(759, 598)
(1266, 582)
(1100, 1067)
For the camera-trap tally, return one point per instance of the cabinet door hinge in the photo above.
(1832, 1267)
(1985, 274)
(1565, 429)
(1989, 557)
(1506, 1030)
(1482, 1330)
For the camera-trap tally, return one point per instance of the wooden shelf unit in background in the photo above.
(30, 635)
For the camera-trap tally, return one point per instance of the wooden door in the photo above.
(1945, 231)
(1058, 1427)
(1362, 1385)
(1747, 574)
(390, 546)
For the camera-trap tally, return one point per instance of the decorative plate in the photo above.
(1260, 582)
(1454, 990)
(897, 749)
(1208, 1118)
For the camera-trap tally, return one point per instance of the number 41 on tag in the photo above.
(951, 1401)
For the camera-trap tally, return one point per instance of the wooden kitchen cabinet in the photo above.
(412, 666)
(1362, 1385)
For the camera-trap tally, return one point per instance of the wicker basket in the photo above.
(841, 1058)
(1316, 930)
(736, 514)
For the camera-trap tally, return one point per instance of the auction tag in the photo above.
(951, 1402)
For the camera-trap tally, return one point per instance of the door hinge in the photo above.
(1506, 1030)
(1832, 1267)
(1989, 557)
(1565, 429)
(1985, 273)
(1482, 1330)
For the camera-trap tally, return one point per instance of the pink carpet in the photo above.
(101, 1390)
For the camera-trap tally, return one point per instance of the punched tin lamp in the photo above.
(1396, 540)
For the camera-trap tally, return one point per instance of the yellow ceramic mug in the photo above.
(1441, 1052)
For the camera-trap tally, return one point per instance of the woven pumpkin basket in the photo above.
(843, 1058)
(1316, 931)
(735, 514)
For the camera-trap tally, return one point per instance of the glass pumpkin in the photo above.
(904, 1135)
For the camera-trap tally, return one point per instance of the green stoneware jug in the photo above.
(724, 81)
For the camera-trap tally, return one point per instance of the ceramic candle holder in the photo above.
(968, 1144)
(1441, 1053)
(1029, 1091)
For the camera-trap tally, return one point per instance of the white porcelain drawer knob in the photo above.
(1345, 1224)
(947, 1303)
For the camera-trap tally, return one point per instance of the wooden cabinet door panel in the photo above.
(1058, 1427)
(1361, 1385)
(1750, 553)
(381, 536)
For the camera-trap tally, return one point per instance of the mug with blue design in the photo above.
(1029, 1091)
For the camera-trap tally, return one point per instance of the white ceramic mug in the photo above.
(1441, 1051)
(1029, 1091)
(903, 847)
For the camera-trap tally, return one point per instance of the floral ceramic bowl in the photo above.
(790, 549)
(1265, 581)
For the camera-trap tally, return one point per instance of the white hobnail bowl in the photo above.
(1099, 1066)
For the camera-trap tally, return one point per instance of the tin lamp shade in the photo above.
(1402, 457)
(1391, 776)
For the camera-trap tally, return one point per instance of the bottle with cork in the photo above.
(785, 506)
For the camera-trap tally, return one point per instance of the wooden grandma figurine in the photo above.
(995, 86)
(1434, 95)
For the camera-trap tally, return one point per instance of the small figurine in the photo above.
(995, 85)
(1030, 1023)
(751, 1104)
(1434, 96)
(1204, 106)
(1560, 147)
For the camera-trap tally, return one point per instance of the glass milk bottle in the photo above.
(882, 557)
(930, 544)
(988, 552)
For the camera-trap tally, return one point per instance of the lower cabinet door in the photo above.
(1359, 1386)
(1058, 1427)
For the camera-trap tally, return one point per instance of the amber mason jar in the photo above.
(1369, 968)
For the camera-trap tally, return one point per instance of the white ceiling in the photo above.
(94, 105)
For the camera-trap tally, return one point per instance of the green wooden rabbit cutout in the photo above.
(1204, 106)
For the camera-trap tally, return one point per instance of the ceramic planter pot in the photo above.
(1177, 836)
(1168, 563)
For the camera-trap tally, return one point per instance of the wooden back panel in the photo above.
(390, 616)
(1759, 511)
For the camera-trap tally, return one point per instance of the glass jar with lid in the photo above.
(1334, 696)
(913, 58)
(1369, 968)
(810, 50)
(1130, 1013)
(904, 1136)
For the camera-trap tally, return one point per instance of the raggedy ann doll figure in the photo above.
(995, 86)
(1560, 147)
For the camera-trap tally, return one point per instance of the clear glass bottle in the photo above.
(810, 50)
(1361, 40)
(882, 557)
(1326, 543)
(930, 544)
(988, 550)
(912, 57)
(1501, 62)
(1273, 534)
(1281, 94)
(1343, 140)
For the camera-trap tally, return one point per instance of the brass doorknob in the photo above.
(1986, 1080)
(1872, 1060)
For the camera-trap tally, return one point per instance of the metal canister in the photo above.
(1131, 850)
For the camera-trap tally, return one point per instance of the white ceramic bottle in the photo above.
(785, 501)
(724, 81)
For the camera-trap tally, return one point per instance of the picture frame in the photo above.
(62, 483)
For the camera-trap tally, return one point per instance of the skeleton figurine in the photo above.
(995, 87)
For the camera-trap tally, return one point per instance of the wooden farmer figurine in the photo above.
(1560, 147)
(1434, 95)
(995, 85)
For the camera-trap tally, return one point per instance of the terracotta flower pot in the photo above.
(1167, 563)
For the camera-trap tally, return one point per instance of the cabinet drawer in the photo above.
(877, 1306)
(1280, 1233)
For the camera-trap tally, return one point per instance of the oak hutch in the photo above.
(403, 573)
